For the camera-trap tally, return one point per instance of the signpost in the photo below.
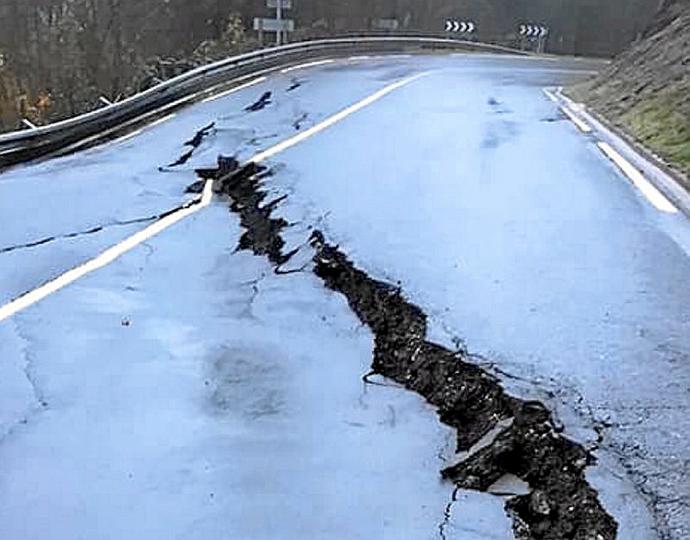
(536, 33)
(279, 25)
(389, 25)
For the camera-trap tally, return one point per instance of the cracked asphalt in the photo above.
(504, 223)
(189, 391)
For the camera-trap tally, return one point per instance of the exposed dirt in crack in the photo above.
(261, 103)
(194, 142)
(561, 504)
(296, 83)
(448, 514)
(297, 124)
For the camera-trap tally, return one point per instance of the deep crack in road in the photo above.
(561, 503)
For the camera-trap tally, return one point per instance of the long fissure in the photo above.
(560, 504)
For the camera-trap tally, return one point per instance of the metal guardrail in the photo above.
(21, 146)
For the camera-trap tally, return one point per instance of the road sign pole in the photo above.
(280, 25)
(279, 17)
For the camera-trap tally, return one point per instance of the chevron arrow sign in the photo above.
(533, 30)
(460, 27)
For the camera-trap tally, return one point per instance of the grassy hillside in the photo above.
(646, 91)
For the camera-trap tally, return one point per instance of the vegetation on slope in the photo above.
(646, 91)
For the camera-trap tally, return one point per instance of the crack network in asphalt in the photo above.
(40, 402)
(77, 234)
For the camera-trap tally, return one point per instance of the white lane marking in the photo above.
(574, 106)
(306, 65)
(503, 55)
(128, 135)
(550, 95)
(281, 147)
(581, 124)
(108, 256)
(235, 89)
(160, 121)
(379, 57)
(652, 194)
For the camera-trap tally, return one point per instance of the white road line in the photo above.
(281, 147)
(549, 94)
(581, 124)
(653, 195)
(360, 57)
(128, 135)
(160, 121)
(306, 65)
(235, 89)
(105, 258)
(111, 254)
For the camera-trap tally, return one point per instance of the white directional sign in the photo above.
(279, 25)
(284, 4)
(462, 27)
(533, 30)
(274, 25)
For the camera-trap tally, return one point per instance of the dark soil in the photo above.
(194, 142)
(561, 504)
(296, 83)
(262, 234)
(261, 103)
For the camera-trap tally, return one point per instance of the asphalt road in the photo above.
(185, 391)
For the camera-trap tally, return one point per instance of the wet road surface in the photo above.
(186, 375)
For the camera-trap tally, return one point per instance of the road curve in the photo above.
(188, 391)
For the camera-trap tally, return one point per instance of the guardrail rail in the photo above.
(21, 146)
